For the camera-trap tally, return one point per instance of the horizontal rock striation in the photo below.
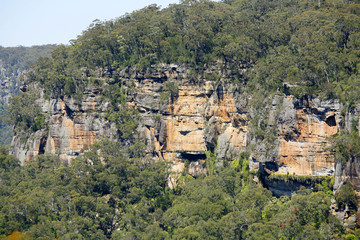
(305, 127)
(183, 118)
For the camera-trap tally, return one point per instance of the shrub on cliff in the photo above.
(345, 146)
(345, 196)
(24, 113)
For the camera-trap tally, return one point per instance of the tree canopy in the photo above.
(312, 46)
(110, 193)
(113, 192)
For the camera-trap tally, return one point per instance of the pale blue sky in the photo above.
(37, 22)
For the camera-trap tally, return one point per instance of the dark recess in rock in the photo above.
(42, 145)
(331, 121)
(193, 156)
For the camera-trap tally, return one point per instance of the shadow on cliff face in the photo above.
(331, 121)
(193, 156)
(42, 145)
(288, 184)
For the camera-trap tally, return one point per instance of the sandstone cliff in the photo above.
(195, 116)
(71, 128)
(183, 120)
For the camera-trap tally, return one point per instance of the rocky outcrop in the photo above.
(72, 128)
(198, 117)
(182, 118)
(304, 128)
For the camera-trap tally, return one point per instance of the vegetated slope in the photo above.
(302, 49)
(311, 45)
(115, 194)
(14, 61)
(311, 48)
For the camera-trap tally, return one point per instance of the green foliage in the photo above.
(350, 237)
(7, 162)
(171, 87)
(5, 128)
(170, 90)
(244, 156)
(16, 59)
(116, 94)
(14, 62)
(312, 47)
(235, 164)
(125, 120)
(113, 191)
(24, 113)
(91, 197)
(346, 196)
(108, 194)
(58, 74)
(210, 161)
(345, 146)
(326, 186)
(305, 179)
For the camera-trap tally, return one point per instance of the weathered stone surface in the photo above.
(204, 116)
(71, 130)
(201, 116)
(304, 129)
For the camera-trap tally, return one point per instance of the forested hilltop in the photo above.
(268, 52)
(311, 45)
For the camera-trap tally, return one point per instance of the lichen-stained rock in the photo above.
(232, 141)
(26, 150)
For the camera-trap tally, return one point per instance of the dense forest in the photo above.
(112, 191)
(116, 194)
(310, 45)
(19, 59)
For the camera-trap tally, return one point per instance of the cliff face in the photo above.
(183, 118)
(71, 128)
(197, 117)
(304, 128)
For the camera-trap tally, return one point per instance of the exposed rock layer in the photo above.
(72, 128)
(199, 116)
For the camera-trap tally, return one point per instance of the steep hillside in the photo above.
(276, 89)
(14, 61)
(268, 89)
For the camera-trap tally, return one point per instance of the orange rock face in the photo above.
(189, 114)
(73, 137)
(70, 131)
(69, 135)
(185, 134)
(304, 154)
(198, 118)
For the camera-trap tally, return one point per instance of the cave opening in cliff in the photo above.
(69, 112)
(42, 145)
(331, 121)
(193, 156)
(269, 167)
